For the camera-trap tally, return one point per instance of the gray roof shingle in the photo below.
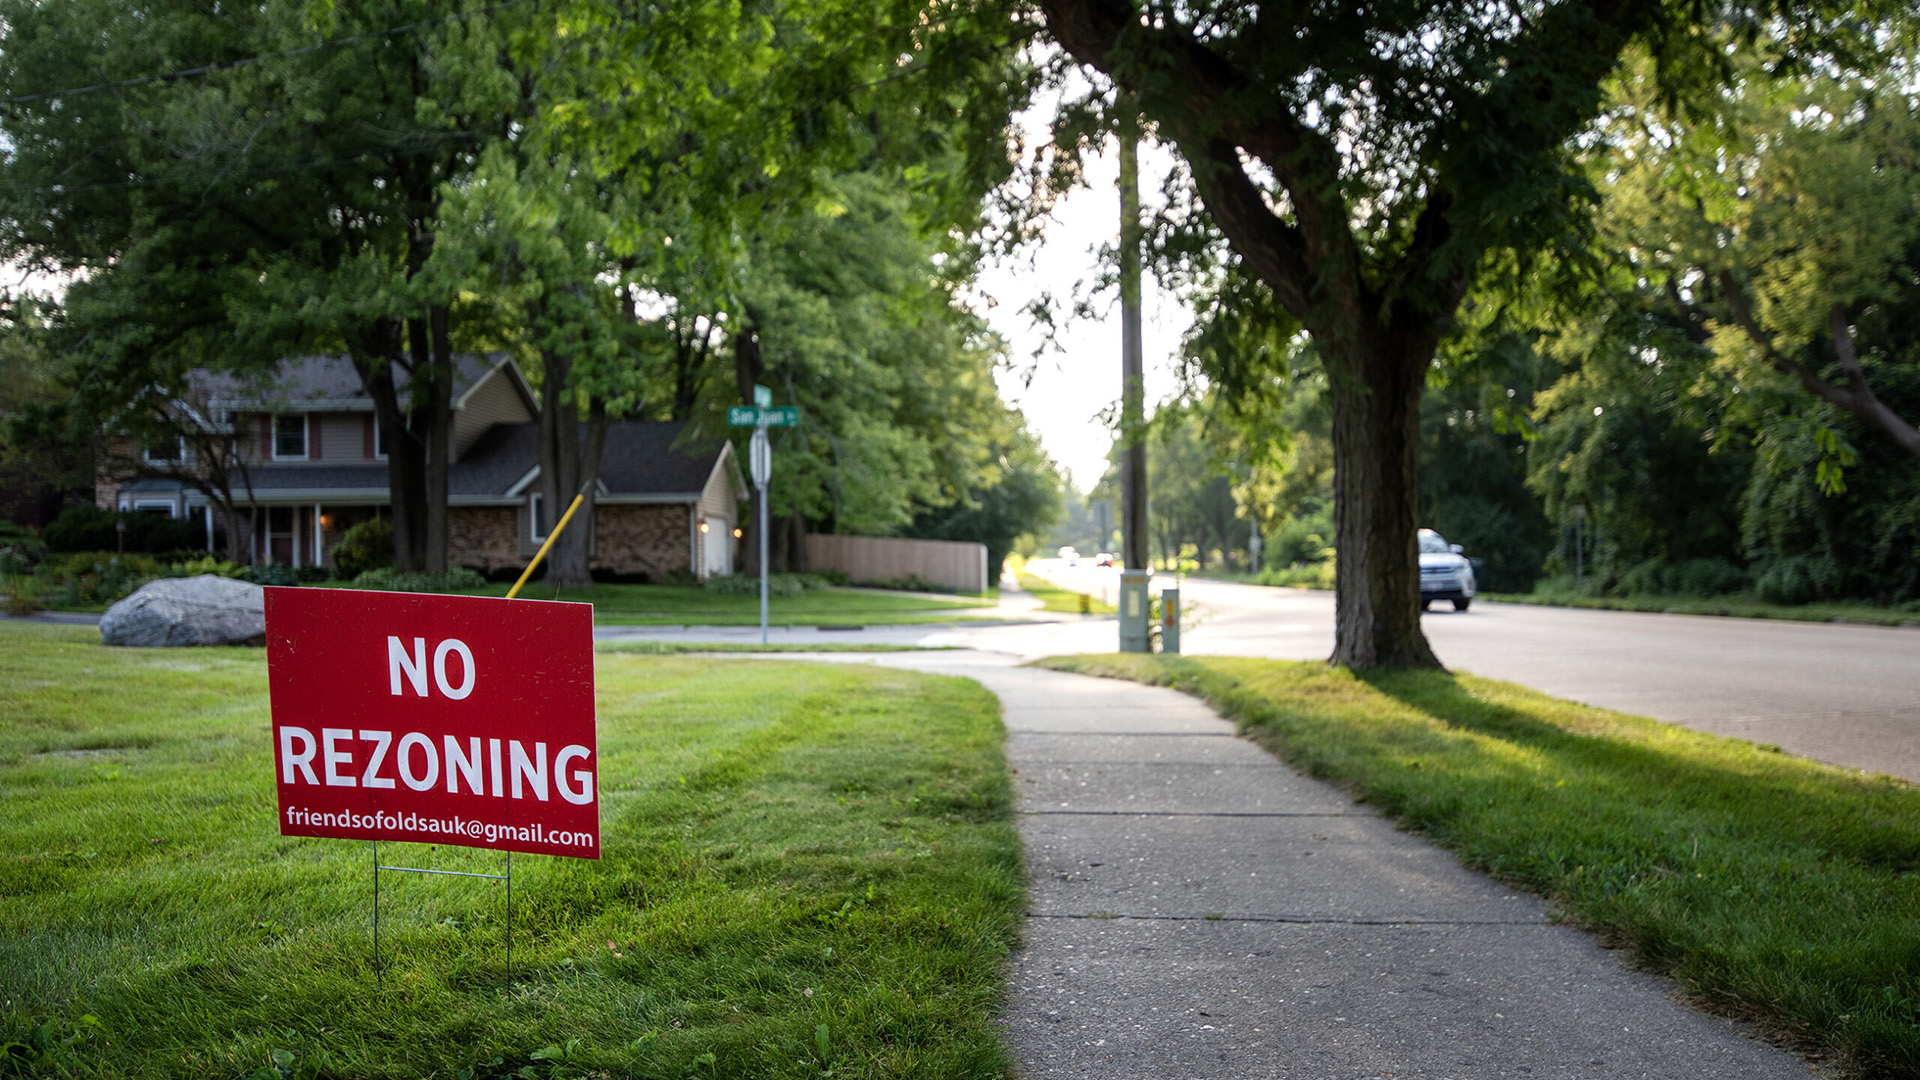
(302, 380)
(639, 459)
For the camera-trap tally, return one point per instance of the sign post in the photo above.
(457, 720)
(760, 457)
(760, 416)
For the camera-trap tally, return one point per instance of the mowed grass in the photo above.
(808, 869)
(1054, 598)
(1739, 606)
(1770, 887)
(678, 605)
(681, 648)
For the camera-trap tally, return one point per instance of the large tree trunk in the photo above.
(568, 468)
(374, 357)
(439, 436)
(1376, 508)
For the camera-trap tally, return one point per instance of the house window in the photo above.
(537, 515)
(157, 509)
(290, 437)
(164, 451)
(379, 439)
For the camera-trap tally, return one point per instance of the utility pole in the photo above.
(1133, 467)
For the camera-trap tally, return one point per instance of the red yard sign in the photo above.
(434, 719)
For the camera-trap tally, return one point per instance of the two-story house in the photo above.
(315, 465)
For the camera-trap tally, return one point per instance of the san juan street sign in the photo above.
(770, 416)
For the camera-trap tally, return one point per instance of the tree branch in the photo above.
(1871, 409)
(1856, 398)
(1311, 261)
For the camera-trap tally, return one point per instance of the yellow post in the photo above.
(542, 553)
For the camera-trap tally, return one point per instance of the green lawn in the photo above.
(1769, 886)
(681, 648)
(676, 605)
(1738, 606)
(1055, 598)
(809, 870)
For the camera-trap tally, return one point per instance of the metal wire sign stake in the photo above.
(461, 721)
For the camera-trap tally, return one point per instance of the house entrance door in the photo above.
(281, 524)
(716, 547)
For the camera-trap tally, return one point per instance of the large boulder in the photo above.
(204, 610)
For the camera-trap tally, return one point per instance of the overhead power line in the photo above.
(229, 65)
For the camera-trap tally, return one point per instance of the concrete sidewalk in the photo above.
(1198, 909)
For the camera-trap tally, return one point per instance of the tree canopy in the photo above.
(1367, 167)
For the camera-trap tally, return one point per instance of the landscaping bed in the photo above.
(1770, 887)
(808, 870)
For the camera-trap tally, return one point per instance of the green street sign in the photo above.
(777, 416)
(762, 396)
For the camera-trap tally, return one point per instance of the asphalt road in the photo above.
(1845, 694)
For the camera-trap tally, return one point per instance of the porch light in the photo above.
(737, 534)
(703, 526)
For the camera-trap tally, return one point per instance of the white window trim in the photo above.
(306, 437)
(179, 459)
(141, 506)
(379, 436)
(533, 518)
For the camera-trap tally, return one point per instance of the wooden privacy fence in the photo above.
(960, 565)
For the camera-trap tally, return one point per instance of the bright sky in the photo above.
(1069, 388)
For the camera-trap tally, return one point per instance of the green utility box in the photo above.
(1133, 610)
(1170, 620)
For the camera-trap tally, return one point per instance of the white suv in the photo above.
(1445, 573)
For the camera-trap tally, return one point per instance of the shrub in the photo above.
(210, 564)
(749, 584)
(16, 559)
(17, 597)
(1705, 577)
(86, 578)
(84, 528)
(387, 579)
(1317, 575)
(910, 583)
(1796, 580)
(366, 546)
(272, 574)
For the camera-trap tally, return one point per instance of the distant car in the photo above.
(1445, 572)
(1070, 556)
(1105, 558)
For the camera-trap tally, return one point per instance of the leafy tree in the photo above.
(276, 197)
(1367, 166)
(1783, 234)
(39, 469)
(1192, 502)
(1748, 253)
(1016, 493)
(1474, 457)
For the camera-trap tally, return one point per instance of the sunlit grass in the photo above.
(678, 605)
(1740, 606)
(1054, 598)
(1769, 886)
(807, 868)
